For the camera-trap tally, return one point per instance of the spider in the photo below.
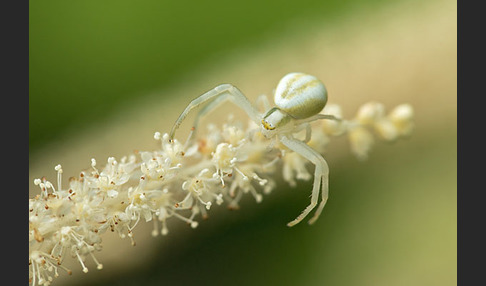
(299, 98)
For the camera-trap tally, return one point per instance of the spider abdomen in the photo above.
(300, 95)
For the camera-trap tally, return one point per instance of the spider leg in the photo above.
(215, 97)
(320, 177)
(262, 101)
(308, 133)
(325, 195)
(319, 116)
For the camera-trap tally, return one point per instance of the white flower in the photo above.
(203, 188)
(370, 112)
(294, 168)
(402, 119)
(224, 158)
(233, 135)
(361, 141)
(386, 129)
(333, 127)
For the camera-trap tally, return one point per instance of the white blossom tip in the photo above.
(258, 198)
(164, 231)
(208, 205)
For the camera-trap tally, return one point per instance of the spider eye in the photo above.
(267, 125)
(275, 118)
(300, 95)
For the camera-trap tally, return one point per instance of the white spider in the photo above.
(299, 99)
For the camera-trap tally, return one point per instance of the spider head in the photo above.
(275, 121)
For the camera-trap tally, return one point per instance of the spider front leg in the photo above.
(215, 97)
(308, 131)
(321, 174)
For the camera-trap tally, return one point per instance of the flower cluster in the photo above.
(181, 181)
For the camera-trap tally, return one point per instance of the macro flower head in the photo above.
(182, 181)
